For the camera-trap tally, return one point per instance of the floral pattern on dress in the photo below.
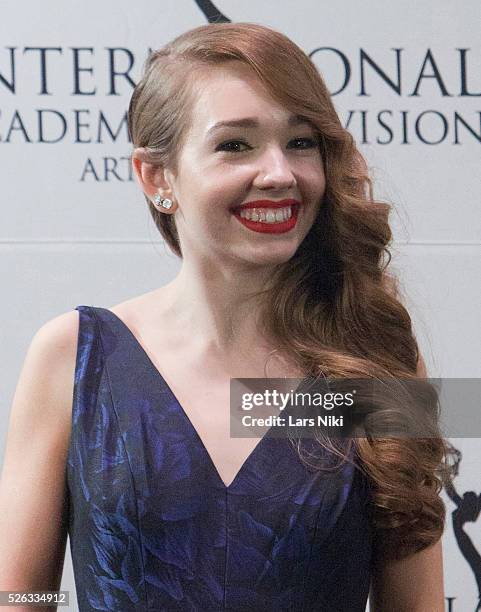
(153, 528)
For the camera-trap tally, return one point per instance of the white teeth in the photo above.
(267, 215)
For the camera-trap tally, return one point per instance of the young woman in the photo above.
(256, 186)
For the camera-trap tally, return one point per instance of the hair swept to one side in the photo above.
(333, 306)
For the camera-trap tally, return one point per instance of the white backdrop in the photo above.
(74, 228)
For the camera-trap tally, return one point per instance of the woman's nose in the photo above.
(274, 170)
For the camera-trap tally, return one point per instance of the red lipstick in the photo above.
(279, 227)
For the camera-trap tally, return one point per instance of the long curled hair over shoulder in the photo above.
(332, 307)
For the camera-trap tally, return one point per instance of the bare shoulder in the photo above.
(59, 333)
(44, 392)
(53, 352)
(33, 505)
(56, 338)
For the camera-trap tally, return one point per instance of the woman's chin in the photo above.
(268, 256)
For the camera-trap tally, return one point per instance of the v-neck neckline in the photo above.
(158, 375)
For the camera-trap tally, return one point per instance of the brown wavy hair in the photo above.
(332, 307)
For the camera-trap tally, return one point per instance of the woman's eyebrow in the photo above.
(252, 122)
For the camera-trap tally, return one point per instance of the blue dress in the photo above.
(153, 527)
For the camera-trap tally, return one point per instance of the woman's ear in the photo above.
(151, 177)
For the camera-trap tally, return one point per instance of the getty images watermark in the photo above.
(274, 398)
(419, 407)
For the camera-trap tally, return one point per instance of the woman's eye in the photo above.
(310, 142)
(225, 146)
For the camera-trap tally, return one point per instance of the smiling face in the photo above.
(272, 157)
